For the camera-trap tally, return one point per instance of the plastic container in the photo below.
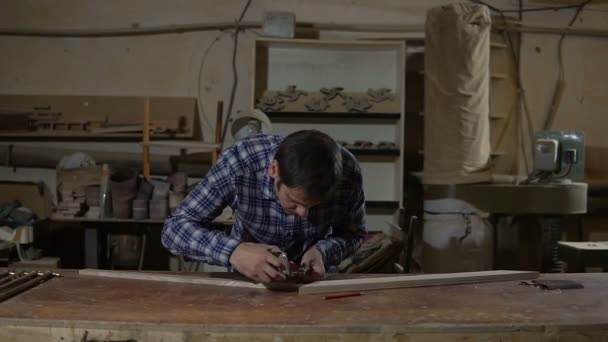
(140, 209)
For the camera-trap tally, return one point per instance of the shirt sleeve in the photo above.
(347, 237)
(186, 231)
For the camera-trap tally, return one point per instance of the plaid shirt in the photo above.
(240, 180)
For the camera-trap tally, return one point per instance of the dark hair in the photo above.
(311, 160)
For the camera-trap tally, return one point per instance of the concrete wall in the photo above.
(168, 65)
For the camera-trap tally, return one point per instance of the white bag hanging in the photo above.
(457, 93)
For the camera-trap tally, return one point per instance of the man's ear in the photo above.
(273, 169)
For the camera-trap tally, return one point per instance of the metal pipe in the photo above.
(552, 30)
(17, 281)
(8, 276)
(138, 31)
(39, 278)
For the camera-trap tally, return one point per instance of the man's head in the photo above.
(306, 167)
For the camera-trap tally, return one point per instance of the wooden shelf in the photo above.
(498, 76)
(494, 76)
(285, 116)
(497, 116)
(356, 66)
(493, 154)
(374, 152)
(382, 205)
(497, 45)
(86, 137)
(191, 146)
(61, 218)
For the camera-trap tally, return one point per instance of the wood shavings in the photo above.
(269, 103)
(380, 94)
(357, 104)
(291, 94)
(316, 104)
(331, 93)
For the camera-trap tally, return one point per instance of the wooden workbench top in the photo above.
(137, 307)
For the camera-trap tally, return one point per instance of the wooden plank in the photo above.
(115, 309)
(165, 112)
(171, 278)
(586, 246)
(414, 281)
(117, 129)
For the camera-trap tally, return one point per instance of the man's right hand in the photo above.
(255, 261)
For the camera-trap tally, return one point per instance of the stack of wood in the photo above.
(376, 255)
(71, 185)
(71, 203)
(92, 194)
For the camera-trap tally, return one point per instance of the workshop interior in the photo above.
(479, 128)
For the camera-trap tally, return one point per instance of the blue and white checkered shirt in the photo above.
(240, 180)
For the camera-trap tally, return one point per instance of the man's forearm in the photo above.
(336, 249)
(184, 236)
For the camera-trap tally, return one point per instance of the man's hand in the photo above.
(312, 261)
(255, 261)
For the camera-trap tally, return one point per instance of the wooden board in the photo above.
(123, 110)
(171, 278)
(586, 246)
(62, 309)
(403, 281)
(359, 284)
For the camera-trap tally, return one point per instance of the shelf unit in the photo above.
(356, 66)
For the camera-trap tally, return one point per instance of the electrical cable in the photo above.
(235, 79)
(139, 31)
(199, 98)
(534, 9)
(560, 83)
(566, 173)
(520, 90)
(521, 10)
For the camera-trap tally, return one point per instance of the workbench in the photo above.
(87, 308)
(94, 229)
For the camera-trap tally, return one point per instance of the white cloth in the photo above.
(457, 76)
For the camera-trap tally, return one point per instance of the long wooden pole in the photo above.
(327, 286)
(170, 278)
(146, 137)
(403, 281)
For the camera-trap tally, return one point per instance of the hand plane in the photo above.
(295, 276)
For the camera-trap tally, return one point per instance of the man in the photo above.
(301, 194)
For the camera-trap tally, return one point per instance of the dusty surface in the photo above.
(503, 304)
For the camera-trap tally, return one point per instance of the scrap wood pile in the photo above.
(376, 255)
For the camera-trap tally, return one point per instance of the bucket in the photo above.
(140, 209)
(159, 209)
(121, 207)
(123, 183)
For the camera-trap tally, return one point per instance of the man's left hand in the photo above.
(312, 261)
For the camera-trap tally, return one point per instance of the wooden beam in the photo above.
(171, 278)
(326, 286)
(414, 281)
